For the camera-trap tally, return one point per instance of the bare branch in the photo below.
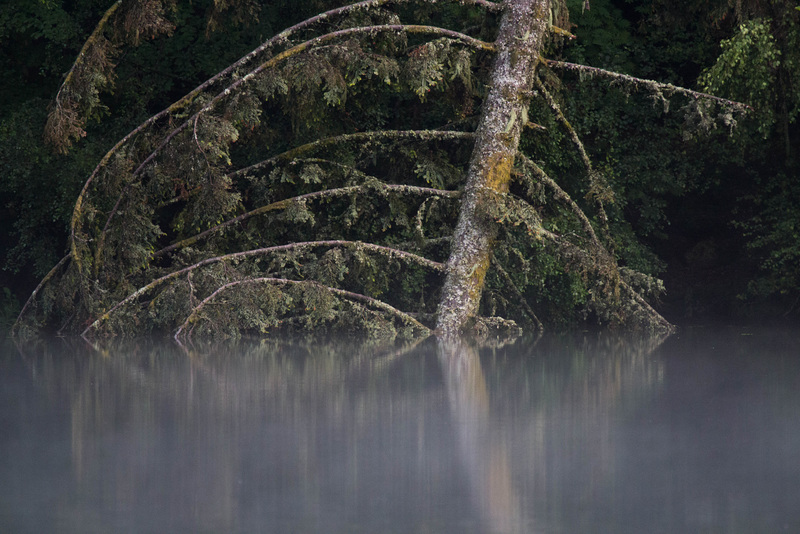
(597, 188)
(556, 109)
(523, 302)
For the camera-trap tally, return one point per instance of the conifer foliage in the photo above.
(334, 179)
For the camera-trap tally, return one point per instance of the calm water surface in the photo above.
(582, 433)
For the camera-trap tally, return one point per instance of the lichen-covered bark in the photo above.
(522, 31)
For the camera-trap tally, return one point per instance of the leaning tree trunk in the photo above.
(522, 32)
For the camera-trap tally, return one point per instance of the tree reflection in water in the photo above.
(484, 453)
(333, 437)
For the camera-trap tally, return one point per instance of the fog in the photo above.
(584, 432)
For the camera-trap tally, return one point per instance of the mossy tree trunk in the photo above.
(522, 32)
(336, 211)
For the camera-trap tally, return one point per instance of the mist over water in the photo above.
(579, 433)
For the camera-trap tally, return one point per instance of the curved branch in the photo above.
(361, 137)
(654, 319)
(284, 281)
(192, 95)
(297, 49)
(16, 326)
(317, 195)
(61, 139)
(299, 150)
(387, 251)
(650, 84)
(89, 42)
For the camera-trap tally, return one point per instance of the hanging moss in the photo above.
(322, 182)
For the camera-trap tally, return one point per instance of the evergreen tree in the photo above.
(760, 64)
(360, 170)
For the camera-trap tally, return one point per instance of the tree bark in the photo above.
(522, 30)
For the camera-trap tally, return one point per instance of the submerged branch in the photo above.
(652, 319)
(317, 195)
(599, 262)
(284, 281)
(386, 251)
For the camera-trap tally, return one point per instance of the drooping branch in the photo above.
(597, 190)
(64, 122)
(284, 281)
(661, 88)
(18, 323)
(562, 196)
(602, 264)
(385, 251)
(93, 69)
(573, 135)
(316, 195)
(130, 194)
(310, 44)
(652, 319)
(522, 301)
(280, 38)
(361, 137)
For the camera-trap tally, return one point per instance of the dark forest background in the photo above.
(716, 215)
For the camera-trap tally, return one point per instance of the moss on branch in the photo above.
(317, 195)
(563, 197)
(362, 138)
(182, 332)
(235, 86)
(388, 252)
(598, 189)
(662, 89)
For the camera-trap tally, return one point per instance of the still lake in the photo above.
(580, 433)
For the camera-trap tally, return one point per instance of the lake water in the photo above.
(586, 433)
